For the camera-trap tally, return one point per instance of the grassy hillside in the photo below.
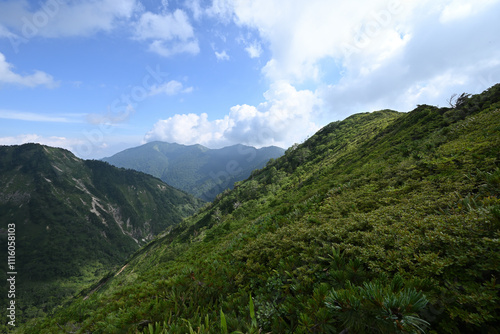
(385, 222)
(74, 220)
(198, 170)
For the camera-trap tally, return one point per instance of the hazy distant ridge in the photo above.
(200, 171)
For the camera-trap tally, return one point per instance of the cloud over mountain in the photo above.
(386, 55)
(285, 115)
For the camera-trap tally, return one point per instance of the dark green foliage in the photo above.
(378, 307)
(384, 222)
(198, 170)
(75, 220)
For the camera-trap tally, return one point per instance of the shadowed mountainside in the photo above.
(76, 219)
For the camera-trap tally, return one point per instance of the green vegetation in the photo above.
(198, 170)
(384, 222)
(74, 221)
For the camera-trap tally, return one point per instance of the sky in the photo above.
(99, 76)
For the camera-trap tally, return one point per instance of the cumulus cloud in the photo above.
(360, 56)
(38, 78)
(168, 33)
(301, 34)
(375, 54)
(55, 18)
(431, 65)
(284, 118)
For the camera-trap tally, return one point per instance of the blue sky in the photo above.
(99, 76)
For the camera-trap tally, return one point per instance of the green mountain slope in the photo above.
(198, 170)
(75, 219)
(385, 222)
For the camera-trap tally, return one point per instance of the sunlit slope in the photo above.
(385, 222)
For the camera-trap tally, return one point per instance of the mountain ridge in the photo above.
(200, 171)
(77, 218)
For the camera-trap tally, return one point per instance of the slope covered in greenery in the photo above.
(196, 169)
(384, 222)
(74, 220)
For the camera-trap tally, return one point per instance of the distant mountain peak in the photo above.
(201, 171)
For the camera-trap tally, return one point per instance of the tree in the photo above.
(458, 102)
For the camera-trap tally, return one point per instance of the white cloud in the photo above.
(56, 18)
(166, 26)
(224, 9)
(456, 11)
(368, 55)
(188, 129)
(461, 9)
(221, 56)
(302, 34)
(195, 7)
(254, 50)
(169, 33)
(284, 118)
(38, 78)
(173, 87)
(380, 55)
(437, 61)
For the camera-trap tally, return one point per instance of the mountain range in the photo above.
(385, 222)
(75, 219)
(196, 169)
